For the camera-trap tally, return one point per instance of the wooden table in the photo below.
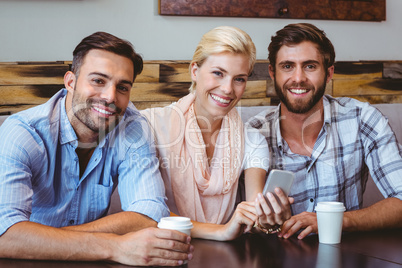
(357, 250)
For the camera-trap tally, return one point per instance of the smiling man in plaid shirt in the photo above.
(329, 143)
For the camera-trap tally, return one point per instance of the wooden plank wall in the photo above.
(27, 84)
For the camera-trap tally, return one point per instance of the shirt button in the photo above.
(311, 200)
(71, 222)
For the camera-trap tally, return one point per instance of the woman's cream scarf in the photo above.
(203, 192)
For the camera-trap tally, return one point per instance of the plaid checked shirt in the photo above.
(355, 138)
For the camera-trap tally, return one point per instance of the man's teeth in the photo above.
(102, 111)
(298, 91)
(225, 101)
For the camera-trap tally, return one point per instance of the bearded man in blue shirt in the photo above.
(61, 161)
(329, 143)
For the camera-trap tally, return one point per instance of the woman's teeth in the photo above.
(221, 100)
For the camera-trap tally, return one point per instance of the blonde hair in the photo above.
(224, 39)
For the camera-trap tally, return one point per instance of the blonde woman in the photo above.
(202, 145)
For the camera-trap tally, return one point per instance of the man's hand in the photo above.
(150, 246)
(153, 246)
(273, 212)
(304, 220)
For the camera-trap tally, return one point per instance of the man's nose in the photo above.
(109, 94)
(299, 75)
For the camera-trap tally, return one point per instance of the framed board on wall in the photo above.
(360, 10)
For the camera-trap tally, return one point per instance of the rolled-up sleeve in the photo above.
(141, 187)
(15, 174)
(383, 153)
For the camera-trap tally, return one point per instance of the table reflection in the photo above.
(328, 256)
(364, 249)
(253, 250)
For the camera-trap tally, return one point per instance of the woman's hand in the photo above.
(272, 211)
(242, 221)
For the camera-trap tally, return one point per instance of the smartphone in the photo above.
(279, 178)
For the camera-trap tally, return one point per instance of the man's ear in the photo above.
(330, 73)
(69, 81)
(271, 71)
(194, 70)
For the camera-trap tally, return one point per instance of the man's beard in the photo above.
(300, 107)
(82, 111)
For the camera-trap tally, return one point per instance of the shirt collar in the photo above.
(277, 126)
(67, 133)
(327, 111)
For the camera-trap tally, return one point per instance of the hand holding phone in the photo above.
(275, 211)
(279, 178)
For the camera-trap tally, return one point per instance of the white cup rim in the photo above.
(175, 222)
(330, 206)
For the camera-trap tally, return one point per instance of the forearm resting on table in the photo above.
(205, 230)
(209, 231)
(118, 223)
(29, 240)
(386, 213)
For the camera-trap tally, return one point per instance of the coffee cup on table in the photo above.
(330, 220)
(182, 224)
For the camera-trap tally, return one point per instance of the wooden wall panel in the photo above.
(358, 70)
(367, 87)
(150, 73)
(24, 85)
(378, 98)
(159, 91)
(27, 95)
(27, 74)
(174, 72)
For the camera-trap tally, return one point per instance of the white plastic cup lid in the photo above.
(175, 222)
(330, 206)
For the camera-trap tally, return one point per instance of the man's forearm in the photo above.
(30, 240)
(118, 223)
(386, 213)
(151, 246)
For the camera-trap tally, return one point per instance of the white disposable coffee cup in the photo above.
(182, 224)
(329, 220)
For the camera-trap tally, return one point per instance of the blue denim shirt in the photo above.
(40, 175)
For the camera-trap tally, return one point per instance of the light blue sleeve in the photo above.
(141, 187)
(16, 143)
(256, 154)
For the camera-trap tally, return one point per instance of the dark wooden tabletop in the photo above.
(367, 249)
